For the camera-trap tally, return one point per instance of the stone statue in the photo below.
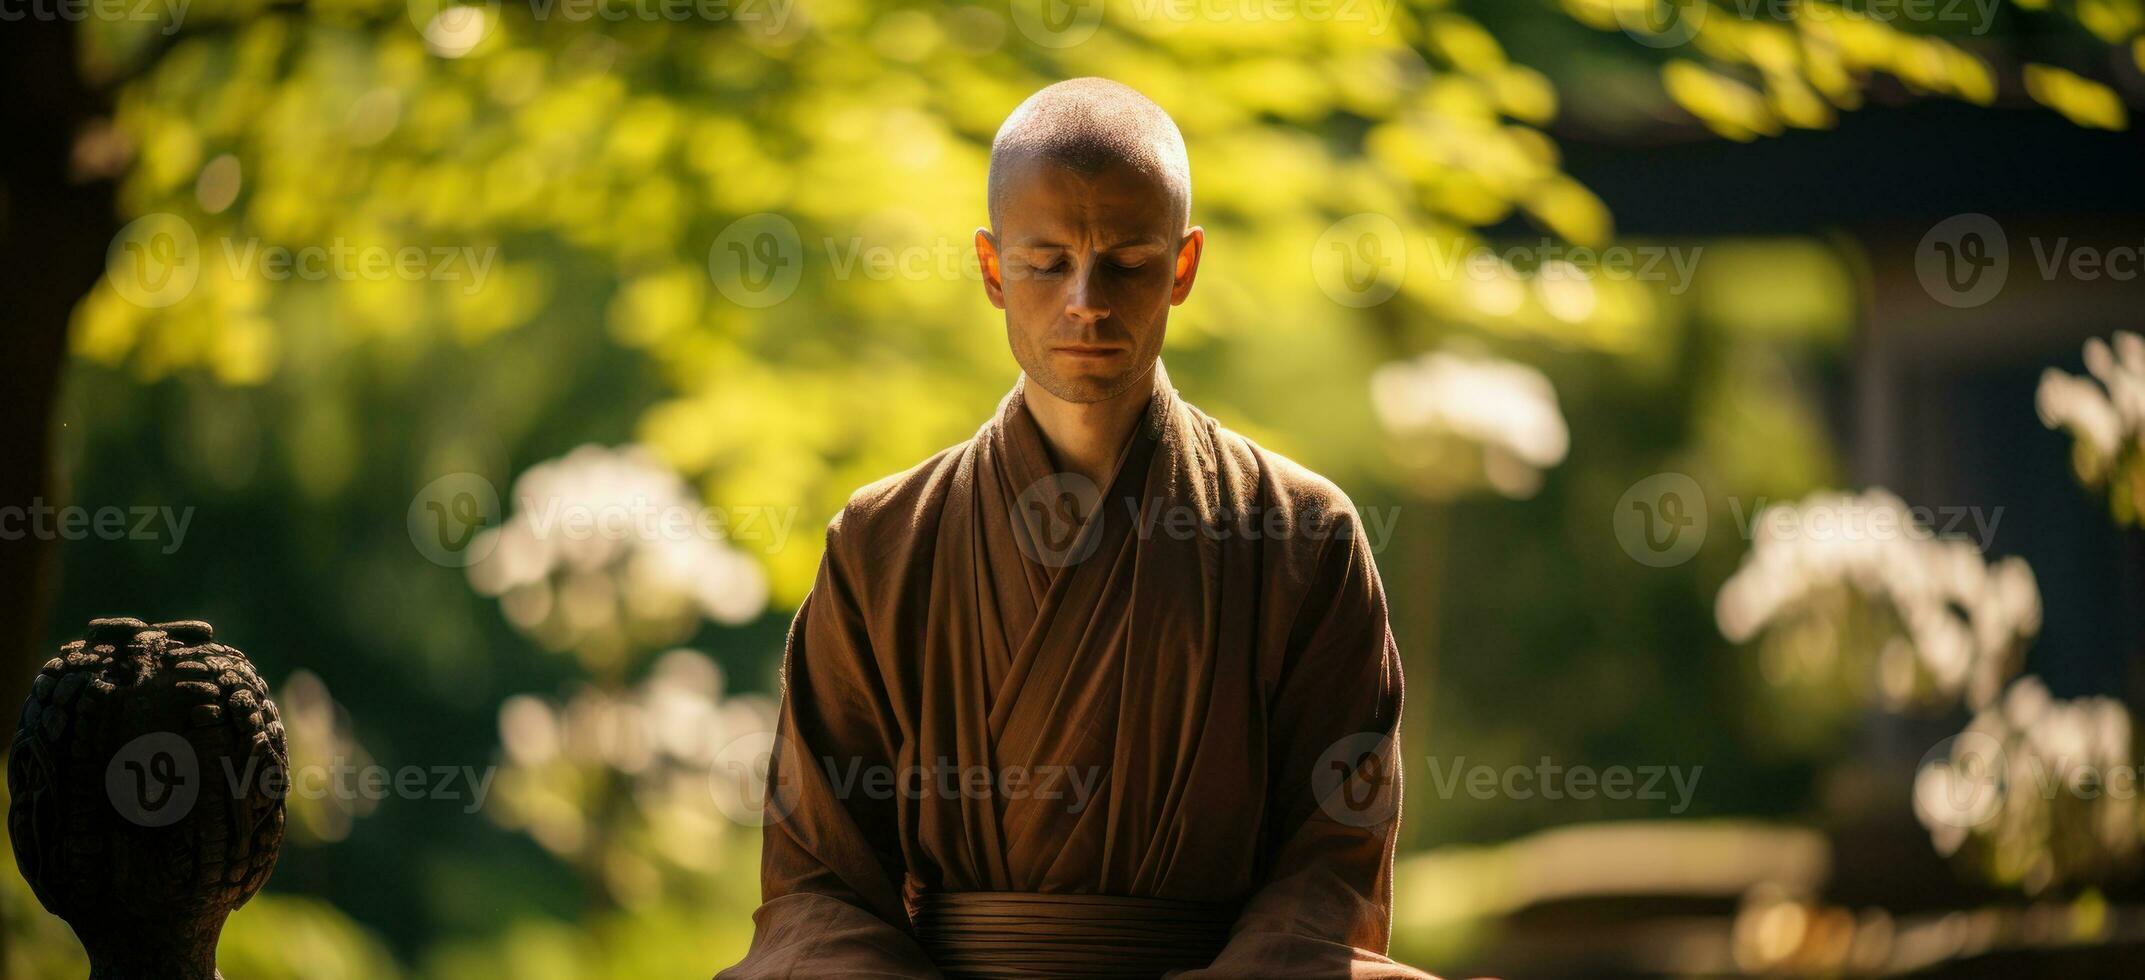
(147, 778)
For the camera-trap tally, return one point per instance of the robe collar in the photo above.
(1018, 436)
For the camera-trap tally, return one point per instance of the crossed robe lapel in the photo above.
(1056, 712)
(1119, 676)
(984, 637)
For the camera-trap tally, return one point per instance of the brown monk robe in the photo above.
(1107, 690)
(1212, 643)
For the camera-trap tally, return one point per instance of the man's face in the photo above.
(1086, 267)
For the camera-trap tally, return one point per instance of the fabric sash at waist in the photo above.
(989, 935)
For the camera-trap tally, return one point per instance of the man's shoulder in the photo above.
(1275, 481)
(896, 505)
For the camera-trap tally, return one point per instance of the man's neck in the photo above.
(1087, 437)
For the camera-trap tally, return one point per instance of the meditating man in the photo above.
(1106, 690)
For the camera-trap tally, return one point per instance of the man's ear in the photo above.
(987, 260)
(1188, 253)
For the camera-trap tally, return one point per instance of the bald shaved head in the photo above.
(1088, 125)
(1089, 244)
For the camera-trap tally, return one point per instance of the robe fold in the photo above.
(1179, 689)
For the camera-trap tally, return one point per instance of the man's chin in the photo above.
(1086, 387)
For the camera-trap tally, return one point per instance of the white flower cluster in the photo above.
(2043, 788)
(1503, 411)
(609, 549)
(1956, 625)
(2103, 415)
(658, 745)
(2106, 418)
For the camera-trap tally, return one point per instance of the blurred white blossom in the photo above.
(628, 784)
(609, 550)
(1925, 613)
(1466, 420)
(2106, 418)
(2037, 790)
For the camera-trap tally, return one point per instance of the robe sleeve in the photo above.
(1324, 907)
(830, 860)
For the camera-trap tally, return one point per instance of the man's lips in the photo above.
(1086, 350)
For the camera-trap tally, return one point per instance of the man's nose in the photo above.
(1085, 301)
